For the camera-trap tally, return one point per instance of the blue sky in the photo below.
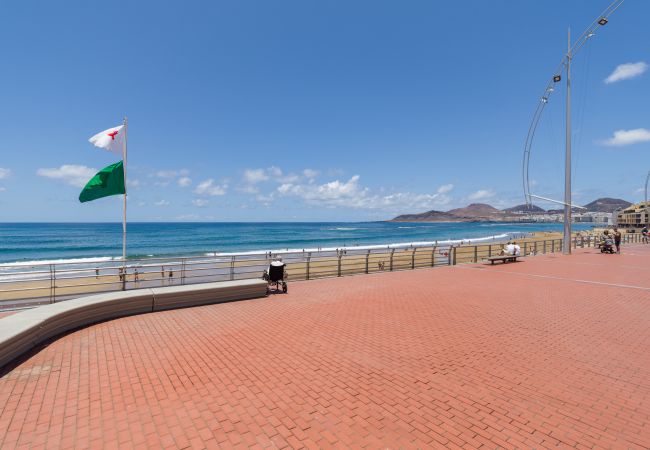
(294, 110)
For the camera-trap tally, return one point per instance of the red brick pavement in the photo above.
(509, 356)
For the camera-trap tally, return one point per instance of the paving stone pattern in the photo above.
(550, 352)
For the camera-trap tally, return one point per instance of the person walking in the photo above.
(644, 233)
(617, 240)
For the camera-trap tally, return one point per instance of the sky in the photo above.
(314, 111)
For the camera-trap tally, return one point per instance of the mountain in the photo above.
(481, 212)
(525, 209)
(470, 213)
(429, 216)
(476, 210)
(607, 205)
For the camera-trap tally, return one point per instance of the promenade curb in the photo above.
(21, 332)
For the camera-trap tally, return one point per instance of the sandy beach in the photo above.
(20, 293)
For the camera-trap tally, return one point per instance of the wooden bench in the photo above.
(504, 258)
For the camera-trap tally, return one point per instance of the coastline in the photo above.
(31, 244)
(70, 280)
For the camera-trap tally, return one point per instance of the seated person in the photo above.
(276, 263)
(605, 236)
(511, 249)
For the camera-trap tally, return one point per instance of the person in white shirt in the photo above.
(511, 249)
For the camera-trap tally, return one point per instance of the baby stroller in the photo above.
(607, 245)
(275, 276)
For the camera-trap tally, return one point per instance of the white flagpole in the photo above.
(125, 191)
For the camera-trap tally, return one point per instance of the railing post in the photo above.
(232, 268)
(339, 264)
(489, 250)
(453, 251)
(433, 257)
(475, 253)
(392, 252)
(413, 259)
(367, 260)
(183, 262)
(52, 283)
(544, 246)
(535, 248)
(525, 248)
(307, 268)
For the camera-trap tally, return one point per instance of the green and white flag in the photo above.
(108, 181)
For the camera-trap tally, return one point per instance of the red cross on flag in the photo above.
(111, 139)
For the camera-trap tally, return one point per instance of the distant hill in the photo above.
(525, 209)
(607, 205)
(429, 216)
(480, 212)
(473, 212)
(476, 210)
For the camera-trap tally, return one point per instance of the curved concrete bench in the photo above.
(23, 331)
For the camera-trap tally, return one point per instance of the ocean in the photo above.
(25, 243)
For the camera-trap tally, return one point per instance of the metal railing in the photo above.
(37, 284)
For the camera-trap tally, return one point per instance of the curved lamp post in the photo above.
(564, 66)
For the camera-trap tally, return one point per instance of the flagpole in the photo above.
(124, 156)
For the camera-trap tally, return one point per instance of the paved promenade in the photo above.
(550, 352)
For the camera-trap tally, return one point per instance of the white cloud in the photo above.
(184, 181)
(350, 194)
(628, 137)
(254, 176)
(72, 174)
(133, 183)
(4, 173)
(445, 188)
(199, 202)
(310, 173)
(481, 194)
(208, 187)
(274, 172)
(626, 71)
(188, 217)
(166, 174)
(249, 189)
(169, 174)
(266, 200)
(162, 203)
(2, 189)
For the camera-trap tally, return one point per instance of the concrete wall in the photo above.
(22, 331)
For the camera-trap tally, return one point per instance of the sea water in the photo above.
(26, 243)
